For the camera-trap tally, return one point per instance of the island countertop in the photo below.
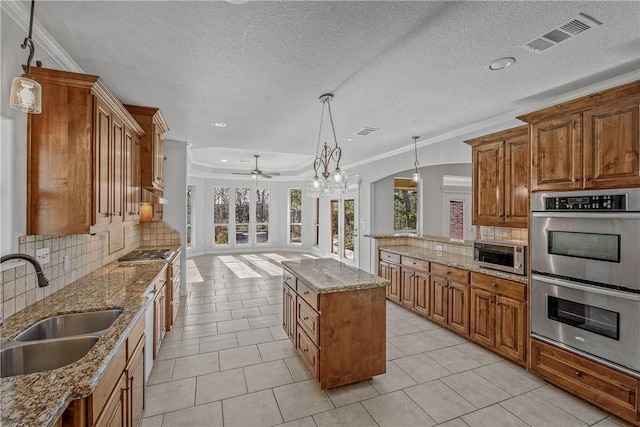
(328, 275)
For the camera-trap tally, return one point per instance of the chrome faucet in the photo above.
(42, 281)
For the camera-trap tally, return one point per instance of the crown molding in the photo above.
(19, 13)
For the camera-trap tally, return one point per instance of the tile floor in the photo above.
(228, 362)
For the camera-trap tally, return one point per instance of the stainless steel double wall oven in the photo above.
(585, 262)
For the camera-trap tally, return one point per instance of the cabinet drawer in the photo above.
(134, 337)
(308, 319)
(308, 294)
(101, 393)
(289, 279)
(499, 286)
(309, 352)
(415, 263)
(451, 273)
(389, 257)
(599, 384)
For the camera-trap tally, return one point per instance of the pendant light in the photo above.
(331, 181)
(416, 174)
(26, 93)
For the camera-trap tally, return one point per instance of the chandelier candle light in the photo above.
(331, 181)
(26, 93)
(416, 174)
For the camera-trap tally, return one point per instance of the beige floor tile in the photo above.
(221, 385)
(298, 369)
(255, 409)
(236, 325)
(481, 355)
(193, 366)
(217, 316)
(161, 372)
(440, 338)
(168, 397)
(239, 297)
(573, 405)
(394, 379)
(454, 360)
(255, 302)
(410, 344)
(422, 368)
(612, 421)
(173, 335)
(397, 409)
(278, 332)
(202, 308)
(201, 415)
(245, 313)
(439, 401)
(345, 395)
(351, 415)
(456, 422)
(267, 375)
(271, 309)
(301, 399)
(537, 412)
(173, 349)
(231, 305)
(155, 421)
(493, 416)
(393, 352)
(302, 422)
(423, 324)
(510, 378)
(264, 321)
(198, 331)
(475, 389)
(239, 357)
(253, 336)
(277, 350)
(401, 327)
(218, 342)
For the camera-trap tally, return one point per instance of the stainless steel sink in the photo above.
(67, 325)
(37, 356)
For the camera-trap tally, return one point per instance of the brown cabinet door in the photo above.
(159, 319)
(421, 293)
(483, 317)
(135, 372)
(511, 328)
(101, 165)
(131, 176)
(407, 283)
(158, 158)
(612, 145)
(556, 154)
(488, 186)
(289, 312)
(438, 297)
(458, 312)
(391, 272)
(117, 170)
(113, 414)
(516, 181)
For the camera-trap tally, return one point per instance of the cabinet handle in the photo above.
(587, 178)
(306, 350)
(497, 303)
(495, 285)
(578, 374)
(104, 215)
(305, 318)
(306, 292)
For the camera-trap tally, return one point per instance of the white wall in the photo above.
(175, 191)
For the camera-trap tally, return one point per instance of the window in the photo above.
(335, 224)
(262, 215)
(456, 220)
(242, 216)
(295, 215)
(221, 215)
(189, 216)
(405, 205)
(316, 240)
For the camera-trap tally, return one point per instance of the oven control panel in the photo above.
(615, 202)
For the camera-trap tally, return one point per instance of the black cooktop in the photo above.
(147, 255)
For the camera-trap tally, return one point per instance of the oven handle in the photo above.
(573, 285)
(584, 215)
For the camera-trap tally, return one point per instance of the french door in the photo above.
(343, 240)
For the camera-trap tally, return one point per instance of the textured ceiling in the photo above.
(407, 68)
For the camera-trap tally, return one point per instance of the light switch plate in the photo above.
(42, 255)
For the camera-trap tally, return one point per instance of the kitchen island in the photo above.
(335, 315)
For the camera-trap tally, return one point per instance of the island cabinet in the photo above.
(591, 142)
(500, 178)
(611, 389)
(340, 320)
(498, 315)
(78, 176)
(389, 269)
(449, 297)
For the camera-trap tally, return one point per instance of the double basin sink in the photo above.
(54, 342)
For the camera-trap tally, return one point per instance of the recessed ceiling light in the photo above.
(350, 139)
(218, 124)
(245, 161)
(223, 160)
(501, 63)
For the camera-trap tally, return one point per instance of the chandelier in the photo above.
(26, 93)
(331, 180)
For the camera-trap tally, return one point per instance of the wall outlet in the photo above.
(42, 255)
(66, 262)
(439, 248)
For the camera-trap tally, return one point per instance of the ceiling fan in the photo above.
(257, 173)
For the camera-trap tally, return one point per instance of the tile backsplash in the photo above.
(86, 253)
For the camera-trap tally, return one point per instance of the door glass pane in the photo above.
(335, 222)
(349, 227)
(242, 215)
(601, 247)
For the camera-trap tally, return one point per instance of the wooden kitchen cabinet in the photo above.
(173, 290)
(591, 142)
(75, 156)
(389, 268)
(289, 304)
(500, 178)
(135, 385)
(132, 196)
(415, 284)
(601, 385)
(159, 313)
(498, 316)
(449, 297)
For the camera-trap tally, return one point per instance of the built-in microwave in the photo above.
(509, 256)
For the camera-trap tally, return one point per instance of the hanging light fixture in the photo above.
(26, 93)
(331, 181)
(416, 174)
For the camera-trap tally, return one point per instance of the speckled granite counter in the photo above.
(328, 275)
(452, 260)
(39, 399)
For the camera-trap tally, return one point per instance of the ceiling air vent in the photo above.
(563, 32)
(366, 131)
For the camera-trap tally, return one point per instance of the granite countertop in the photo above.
(328, 275)
(451, 260)
(40, 398)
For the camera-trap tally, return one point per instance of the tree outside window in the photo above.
(295, 215)
(189, 216)
(242, 216)
(262, 215)
(221, 215)
(405, 205)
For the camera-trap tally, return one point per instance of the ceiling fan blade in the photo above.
(273, 173)
(266, 175)
(239, 173)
